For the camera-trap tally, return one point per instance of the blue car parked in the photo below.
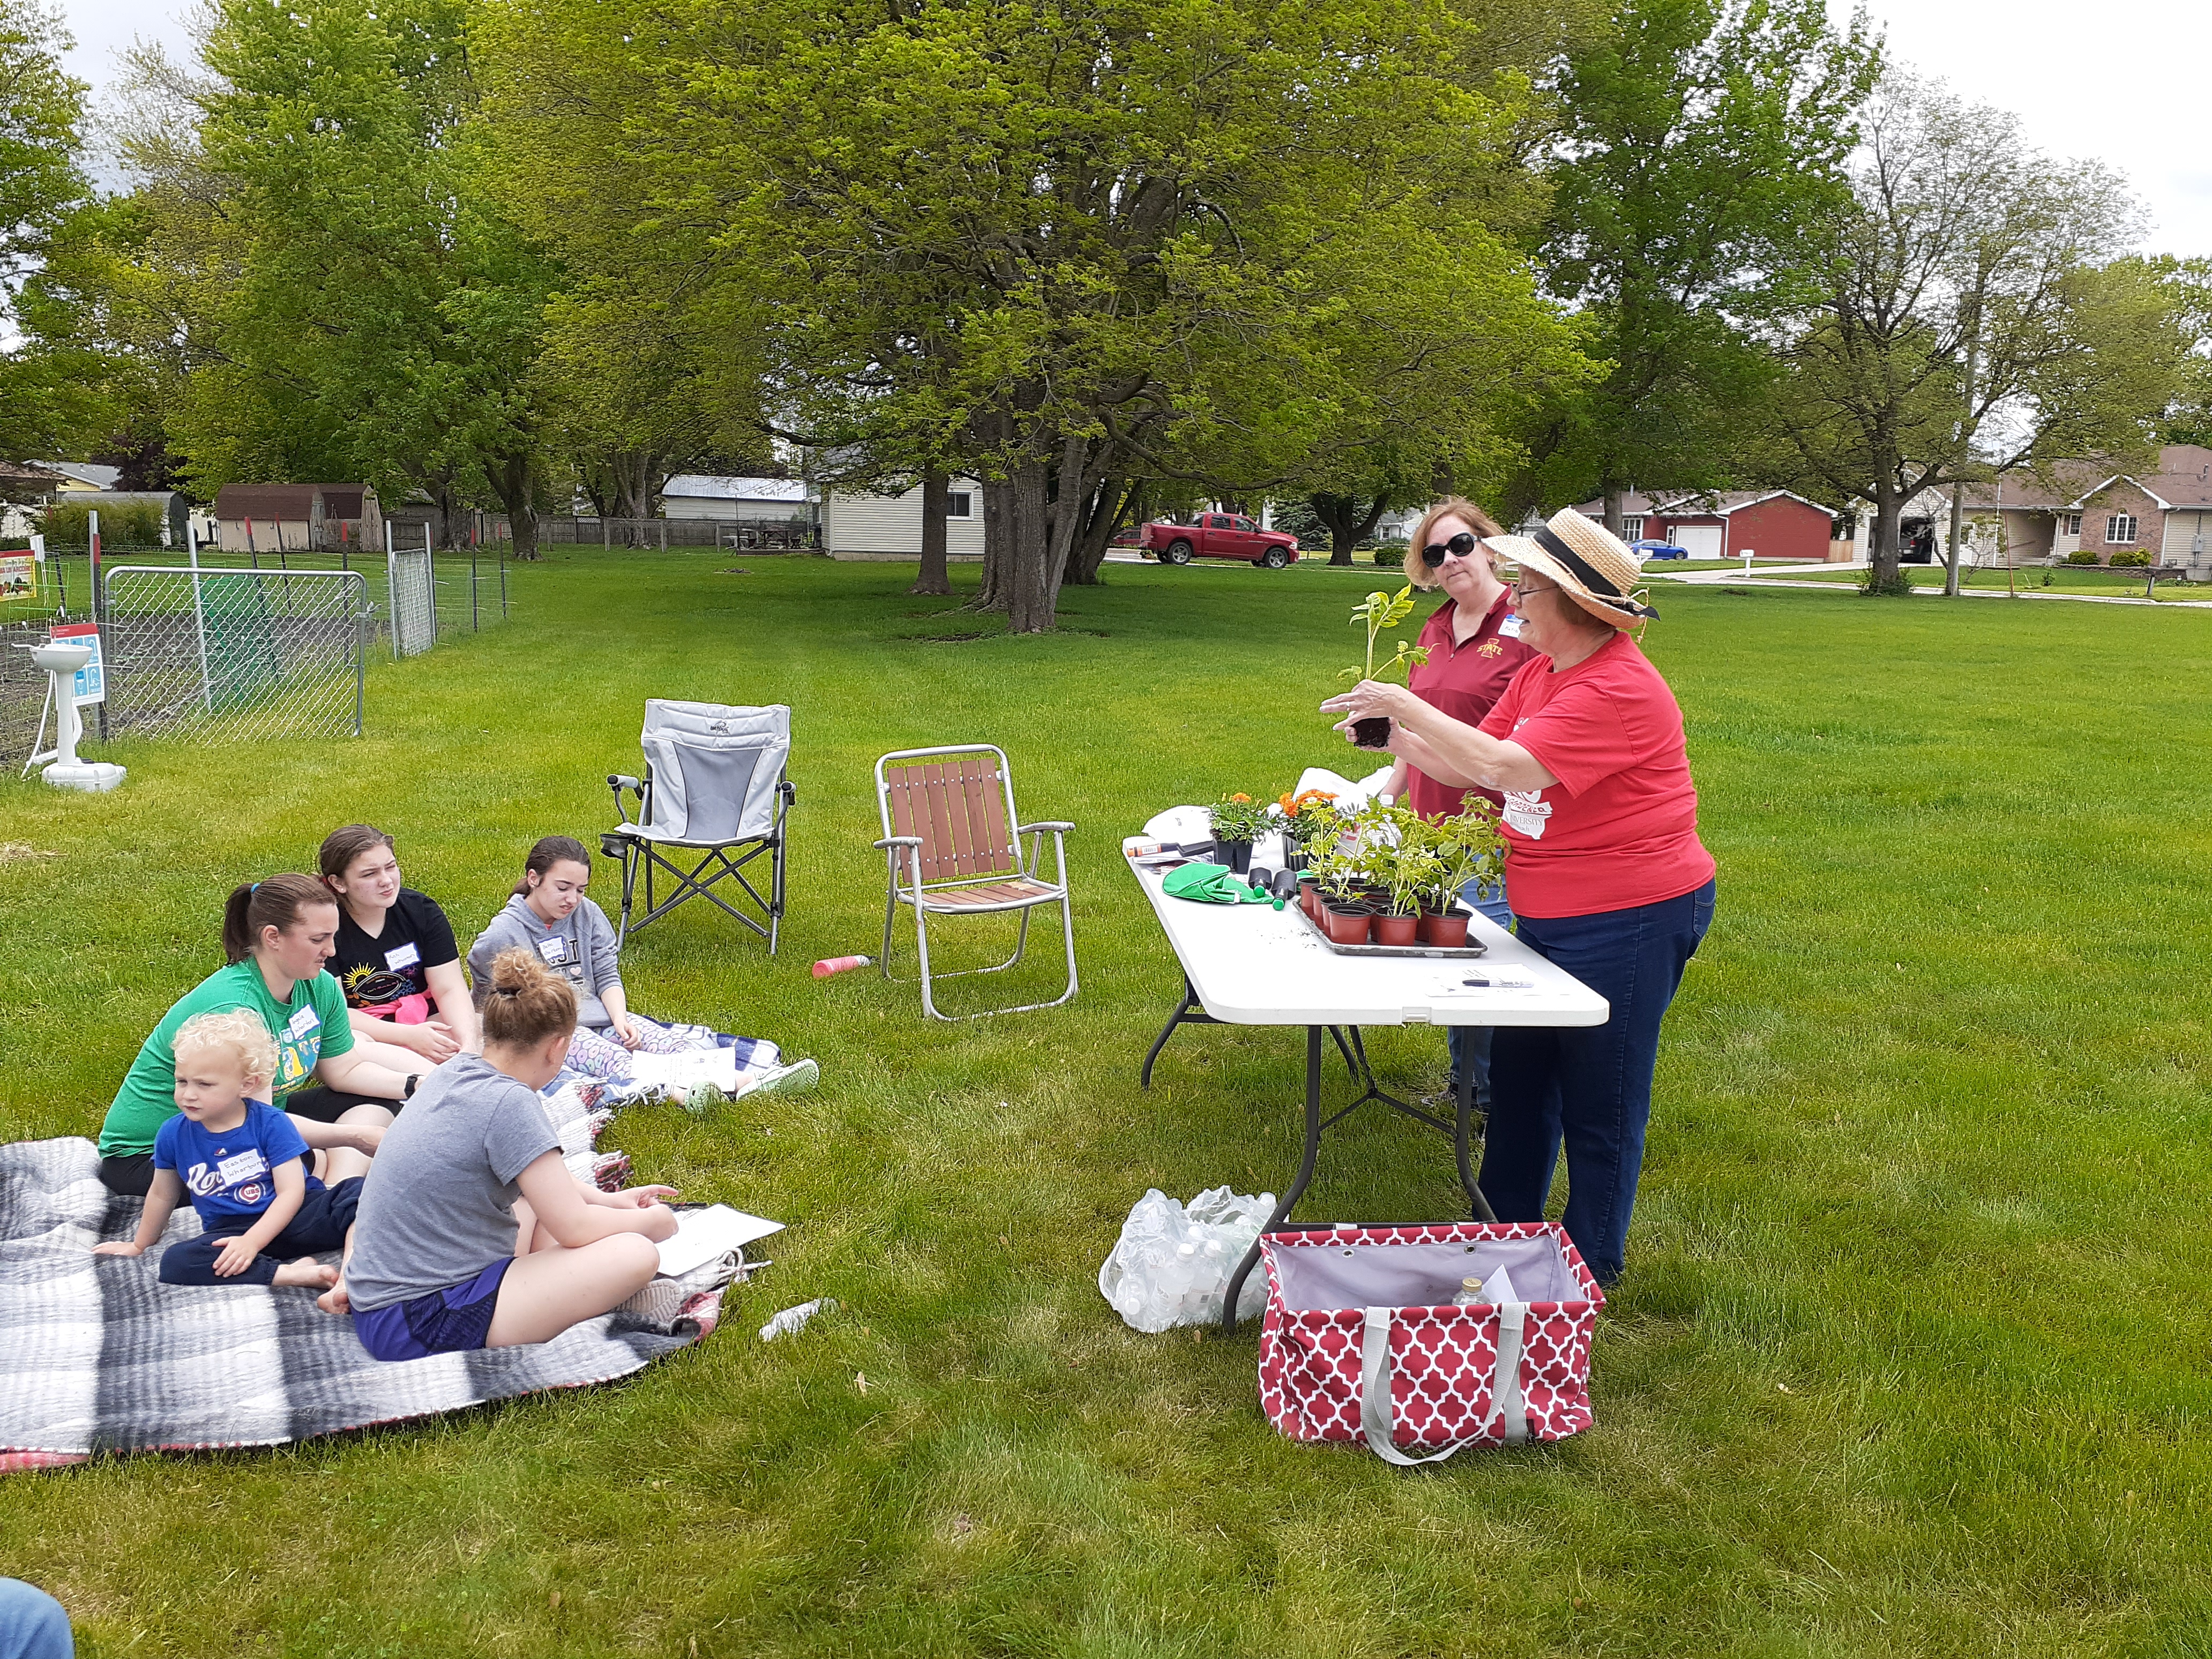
(1659, 549)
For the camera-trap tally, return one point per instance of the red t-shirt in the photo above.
(1619, 828)
(1464, 679)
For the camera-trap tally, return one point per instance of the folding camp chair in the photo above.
(952, 842)
(713, 785)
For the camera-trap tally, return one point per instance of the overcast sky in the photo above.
(2120, 80)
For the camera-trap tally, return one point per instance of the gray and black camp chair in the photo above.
(713, 786)
(952, 845)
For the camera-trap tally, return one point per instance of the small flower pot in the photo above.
(1294, 857)
(1347, 926)
(1421, 932)
(1237, 854)
(1447, 931)
(1396, 930)
(1309, 894)
(1372, 732)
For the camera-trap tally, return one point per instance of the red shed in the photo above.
(1773, 524)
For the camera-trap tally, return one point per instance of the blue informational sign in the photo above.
(91, 683)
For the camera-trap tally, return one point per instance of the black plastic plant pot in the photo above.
(1239, 854)
(1294, 857)
(1373, 732)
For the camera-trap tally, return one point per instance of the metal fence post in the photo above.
(199, 615)
(99, 615)
(430, 570)
(392, 588)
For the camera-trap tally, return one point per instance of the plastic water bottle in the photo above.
(829, 965)
(1470, 1294)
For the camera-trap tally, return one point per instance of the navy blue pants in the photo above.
(320, 1225)
(1469, 1045)
(1588, 1088)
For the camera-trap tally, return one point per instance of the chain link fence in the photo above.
(228, 654)
(412, 584)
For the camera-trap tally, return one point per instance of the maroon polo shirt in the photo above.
(1463, 680)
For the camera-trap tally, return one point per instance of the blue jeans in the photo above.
(32, 1624)
(1588, 1087)
(1470, 1044)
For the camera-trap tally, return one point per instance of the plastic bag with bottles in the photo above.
(1171, 1265)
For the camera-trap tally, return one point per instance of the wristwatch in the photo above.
(413, 1078)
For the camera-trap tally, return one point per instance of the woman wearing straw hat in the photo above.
(1474, 652)
(1604, 870)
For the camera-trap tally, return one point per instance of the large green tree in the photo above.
(1699, 142)
(44, 405)
(315, 228)
(1969, 320)
(1041, 242)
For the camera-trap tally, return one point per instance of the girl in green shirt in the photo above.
(278, 934)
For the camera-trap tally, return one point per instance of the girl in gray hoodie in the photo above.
(549, 915)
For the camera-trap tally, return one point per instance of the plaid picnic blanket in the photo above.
(97, 1355)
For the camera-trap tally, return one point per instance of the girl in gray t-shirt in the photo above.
(472, 1232)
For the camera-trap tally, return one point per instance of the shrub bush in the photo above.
(2083, 557)
(1390, 558)
(130, 524)
(2137, 560)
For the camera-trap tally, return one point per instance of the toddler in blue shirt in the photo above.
(263, 1218)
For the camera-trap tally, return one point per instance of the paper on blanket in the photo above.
(703, 1235)
(678, 1074)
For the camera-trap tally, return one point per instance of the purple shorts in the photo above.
(455, 1319)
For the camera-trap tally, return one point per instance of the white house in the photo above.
(858, 525)
(710, 496)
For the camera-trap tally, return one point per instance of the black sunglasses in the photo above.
(1436, 552)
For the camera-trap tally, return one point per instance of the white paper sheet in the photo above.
(703, 1235)
(678, 1074)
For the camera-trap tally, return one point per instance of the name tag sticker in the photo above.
(554, 949)
(303, 1022)
(405, 956)
(1510, 626)
(242, 1166)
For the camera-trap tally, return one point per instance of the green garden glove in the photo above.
(1212, 883)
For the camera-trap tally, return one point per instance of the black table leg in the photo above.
(1462, 1135)
(1190, 1011)
(1283, 1204)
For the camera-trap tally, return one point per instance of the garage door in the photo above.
(1700, 541)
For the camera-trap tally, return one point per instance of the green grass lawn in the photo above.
(1911, 1354)
(2063, 579)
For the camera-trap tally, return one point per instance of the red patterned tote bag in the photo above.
(1361, 1341)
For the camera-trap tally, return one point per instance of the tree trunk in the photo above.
(1612, 507)
(512, 481)
(1889, 508)
(1110, 504)
(998, 535)
(1347, 526)
(1032, 577)
(936, 504)
(1958, 527)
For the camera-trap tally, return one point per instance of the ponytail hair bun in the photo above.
(528, 1002)
(275, 903)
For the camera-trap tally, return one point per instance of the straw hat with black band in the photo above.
(1591, 566)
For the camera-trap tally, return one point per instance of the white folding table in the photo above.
(1252, 965)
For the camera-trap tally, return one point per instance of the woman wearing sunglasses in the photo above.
(1474, 654)
(1606, 874)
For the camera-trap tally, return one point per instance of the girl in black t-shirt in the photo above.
(395, 958)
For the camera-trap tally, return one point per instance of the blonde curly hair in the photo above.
(238, 1033)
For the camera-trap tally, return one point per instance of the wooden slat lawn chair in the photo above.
(951, 843)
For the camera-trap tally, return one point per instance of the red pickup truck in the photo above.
(1218, 535)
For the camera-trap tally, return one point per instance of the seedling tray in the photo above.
(1446, 953)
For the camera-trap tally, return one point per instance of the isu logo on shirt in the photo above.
(1527, 812)
(1490, 649)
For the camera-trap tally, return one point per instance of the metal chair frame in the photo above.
(969, 812)
(639, 853)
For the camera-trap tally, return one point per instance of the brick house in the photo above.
(2166, 514)
(1773, 524)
